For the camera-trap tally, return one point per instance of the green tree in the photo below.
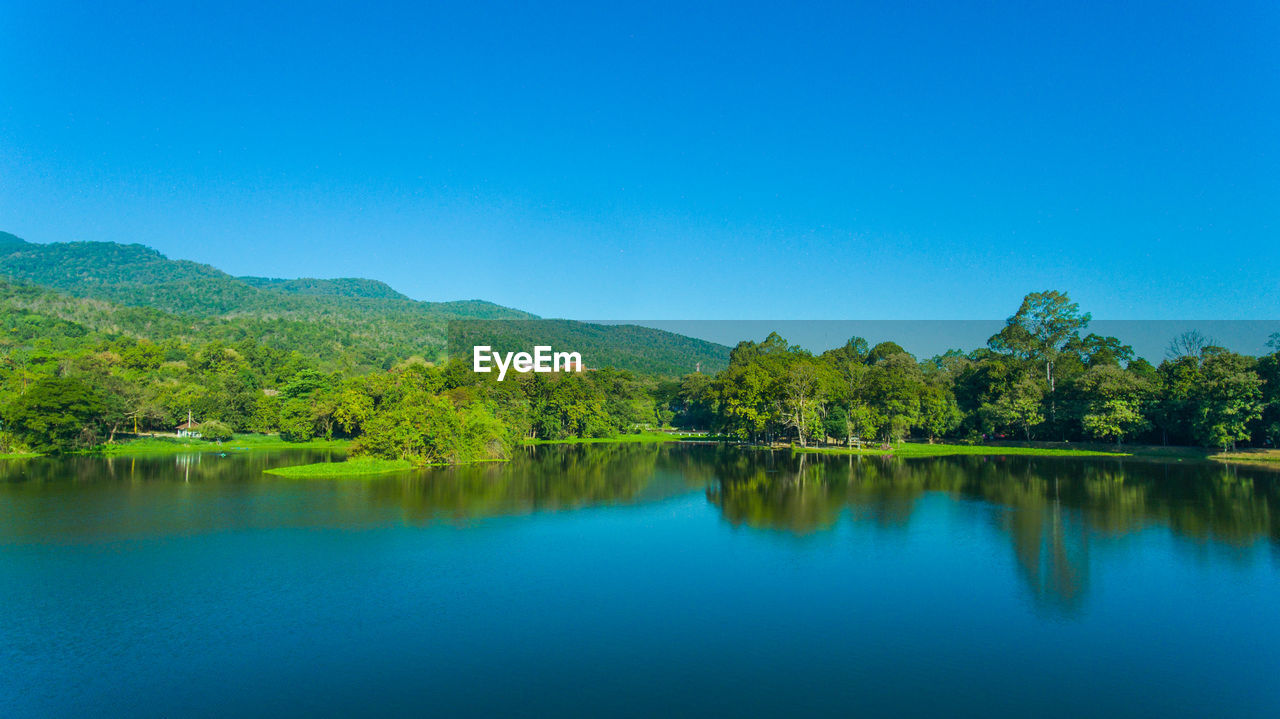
(296, 421)
(802, 393)
(939, 414)
(57, 414)
(215, 431)
(836, 423)
(1174, 412)
(430, 429)
(864, 422)
(1016, 408)
(1228, 399)
(1045, 325)
(740, 398)
(1113, 418)
(895, 385)
(1115, 401)
(1269, 372)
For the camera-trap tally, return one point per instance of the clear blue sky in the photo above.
(738, 160)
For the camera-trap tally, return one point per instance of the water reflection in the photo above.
(548, 478)
(88, 498)
(1053, 512)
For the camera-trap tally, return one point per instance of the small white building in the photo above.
(189, 428)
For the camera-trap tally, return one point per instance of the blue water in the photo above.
(640, 581)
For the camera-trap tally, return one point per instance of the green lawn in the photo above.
(358, 467)
(19, 455)
(239, 443)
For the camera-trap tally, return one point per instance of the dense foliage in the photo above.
(64, 387)
(347, 323)
(1040, 378)
(76, 372)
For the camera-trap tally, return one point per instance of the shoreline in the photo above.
(152, 446)
(161, 446)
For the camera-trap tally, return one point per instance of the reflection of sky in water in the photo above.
(638, 579)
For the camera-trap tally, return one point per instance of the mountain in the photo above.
(140, 276)
(339, 287)
(133, 289)
(643, 349)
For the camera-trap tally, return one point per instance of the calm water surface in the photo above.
(640, 580)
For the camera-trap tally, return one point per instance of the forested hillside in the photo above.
(76, 372)
(341, 287)
(625, 346)
(345, 323)
(140, 276)
(97, 339)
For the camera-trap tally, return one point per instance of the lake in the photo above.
(640, 580)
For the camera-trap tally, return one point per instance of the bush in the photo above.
(214, 431)
(11, 445)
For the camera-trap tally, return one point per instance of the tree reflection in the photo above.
(1051, 509)
(549, 478)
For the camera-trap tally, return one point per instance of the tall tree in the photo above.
(801, 402)
(1229, 398)
(1044, 325)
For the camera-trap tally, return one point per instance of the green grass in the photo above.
(19, 455)
(239, 443)
(1265, 457)
(358, 467)
(947, 450)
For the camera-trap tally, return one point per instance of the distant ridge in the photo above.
(337, 287)
(141, 276)
(338, 320)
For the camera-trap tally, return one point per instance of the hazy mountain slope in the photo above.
(352, 322)
(630, 346)
(32, 313)
(140, 276)
(337, 287)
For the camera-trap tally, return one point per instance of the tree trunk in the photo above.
(1053, 402)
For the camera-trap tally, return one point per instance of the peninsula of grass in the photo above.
(150, 446)
(19, 455)
(357, 467)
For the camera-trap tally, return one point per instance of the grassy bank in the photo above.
(147, 446)
(913, 449)
(358, 467)
(1263, 457)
